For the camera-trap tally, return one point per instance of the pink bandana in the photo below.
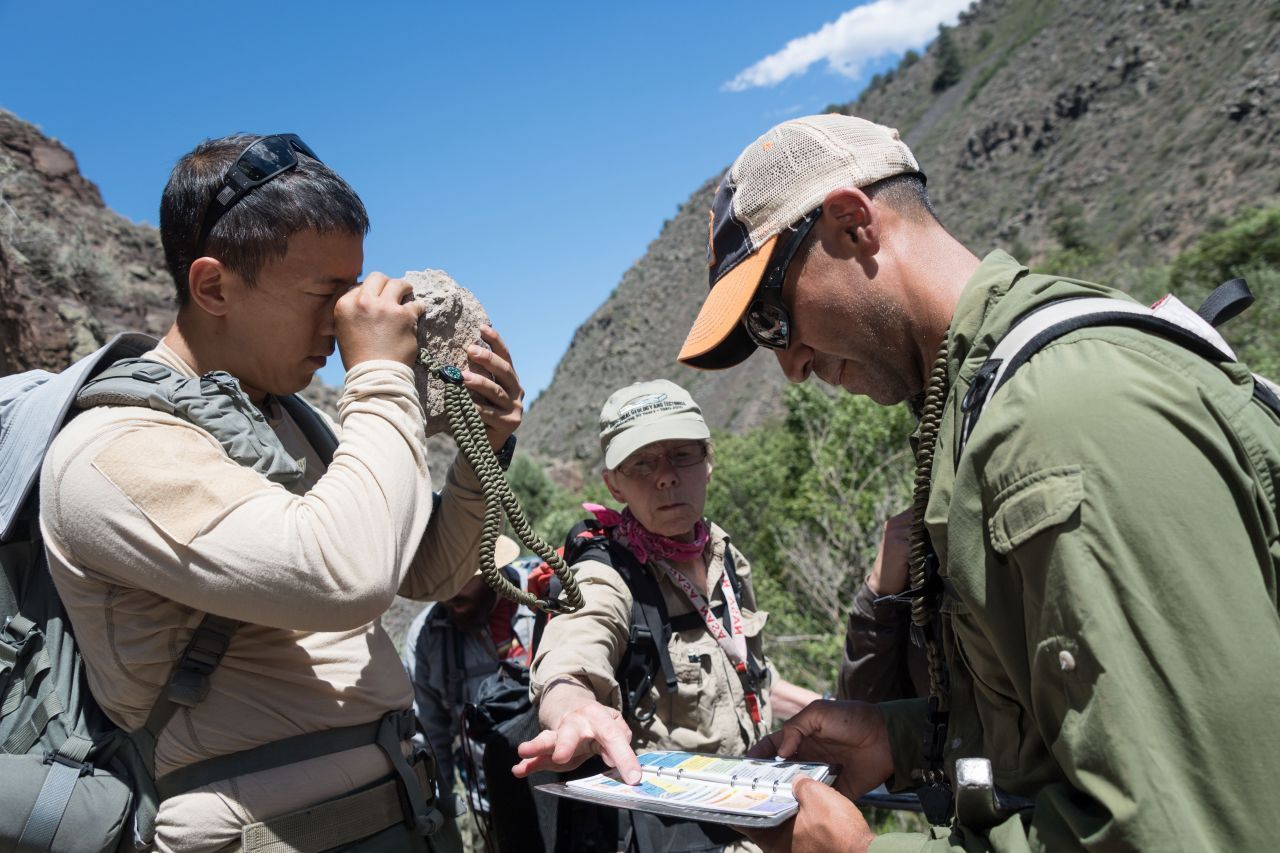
(645, 544)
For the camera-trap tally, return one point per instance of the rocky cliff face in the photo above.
(72, 273)
(1125, 127)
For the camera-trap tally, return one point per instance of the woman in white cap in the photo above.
(600, 688)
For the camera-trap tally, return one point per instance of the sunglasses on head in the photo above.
(263, 160)
(767, 321)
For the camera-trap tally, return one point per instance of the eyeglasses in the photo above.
(767, 320)
(643, 467)
(263, 160)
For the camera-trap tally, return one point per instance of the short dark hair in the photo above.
(257, 229)
(907, 195)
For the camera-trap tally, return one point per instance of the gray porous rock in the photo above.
(451, 323)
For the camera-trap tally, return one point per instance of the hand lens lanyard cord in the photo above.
(925, 617)
(734, 644)
(469, 433)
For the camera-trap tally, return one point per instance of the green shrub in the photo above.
(950, 68)
(1068, 227)
(805, 501)
(1249, 240)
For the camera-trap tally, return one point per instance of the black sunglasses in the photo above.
(263, 160)
(767, 321)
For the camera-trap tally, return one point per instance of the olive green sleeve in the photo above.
(905, 719)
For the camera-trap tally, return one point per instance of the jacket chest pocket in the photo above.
(693, 705)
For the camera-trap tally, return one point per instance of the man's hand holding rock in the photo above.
(374, 322)
(494, 386)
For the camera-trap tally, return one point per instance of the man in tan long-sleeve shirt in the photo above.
(149, 524)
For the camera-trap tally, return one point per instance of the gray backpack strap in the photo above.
(22, 649)
(213, 402)
(187, 686)
(66, 766)
(1168, 318)
(188, 683)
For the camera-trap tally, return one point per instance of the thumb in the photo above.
(809, 792)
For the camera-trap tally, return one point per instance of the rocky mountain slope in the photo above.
(1125, 127)
(72, 273)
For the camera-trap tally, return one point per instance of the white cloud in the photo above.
(855, 38)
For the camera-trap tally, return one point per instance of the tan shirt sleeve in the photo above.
(449, 554)
(152, 502)
(587, 645)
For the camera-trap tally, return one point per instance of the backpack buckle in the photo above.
(20, 628)
(190, 682)
(52, 757)
(14, 634)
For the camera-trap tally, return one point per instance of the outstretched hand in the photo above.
(587, 730)
(577, 727)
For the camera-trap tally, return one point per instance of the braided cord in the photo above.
(469, 433)
(924, 608)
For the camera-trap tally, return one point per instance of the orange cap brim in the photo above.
(726, 303)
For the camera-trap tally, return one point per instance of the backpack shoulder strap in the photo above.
(313, 425)
(731, 569)
(1169, 318)
(188, 682)
(213, 402)
(648, 646)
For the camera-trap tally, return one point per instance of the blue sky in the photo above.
(531, 150)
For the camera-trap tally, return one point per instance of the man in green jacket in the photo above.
(1108, 538)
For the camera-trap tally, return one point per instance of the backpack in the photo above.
(502, 717)
(67, 775)
(69, 778)
(1169, 318)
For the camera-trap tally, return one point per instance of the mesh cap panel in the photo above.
(787, 172)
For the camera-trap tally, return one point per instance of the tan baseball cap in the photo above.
(646, 412)
(775, 182)
(505, 550)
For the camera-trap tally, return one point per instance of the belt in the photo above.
(334, 823)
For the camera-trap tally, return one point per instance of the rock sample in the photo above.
(450, 324)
